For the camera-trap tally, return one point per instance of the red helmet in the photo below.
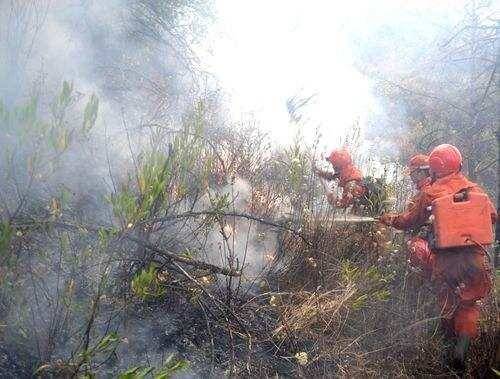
(445, 159)
(340, 158)
(418, 162)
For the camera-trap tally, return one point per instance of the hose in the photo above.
(481, 247)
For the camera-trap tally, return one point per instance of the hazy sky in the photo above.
(264, 52)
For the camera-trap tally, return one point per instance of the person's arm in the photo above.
(416, 215)
(324, 174)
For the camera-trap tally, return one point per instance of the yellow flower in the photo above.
(312, 262)
(272, 301)
(302, 358)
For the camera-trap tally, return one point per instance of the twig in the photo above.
(225, 214)
(209, 330)
(163, 253)
(190, 262)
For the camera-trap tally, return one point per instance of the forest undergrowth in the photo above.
(207, 252)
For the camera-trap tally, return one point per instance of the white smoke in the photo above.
(251, 243)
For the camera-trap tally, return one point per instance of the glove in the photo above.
(387, 219)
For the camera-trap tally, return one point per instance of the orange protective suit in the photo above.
(460, 276)
(350, 180)
(421, 255)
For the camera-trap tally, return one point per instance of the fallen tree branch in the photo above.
(190, 262)
(165, 254)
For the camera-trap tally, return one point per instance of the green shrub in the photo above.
(145, 284)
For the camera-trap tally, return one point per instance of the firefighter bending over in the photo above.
(349, 177)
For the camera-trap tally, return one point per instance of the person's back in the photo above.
(461, 275)
(461, 269)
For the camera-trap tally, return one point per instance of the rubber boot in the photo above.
(460, 353)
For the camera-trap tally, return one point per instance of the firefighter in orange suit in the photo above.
(461, 275)
(421, 256)
(349, 177)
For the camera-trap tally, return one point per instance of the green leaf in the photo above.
(136, 373)
(65, 196)
(106, 342)
(90, 113)
(64, 242)
(145, 283)
(6, 234)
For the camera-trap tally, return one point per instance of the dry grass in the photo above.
(309, 313)
(334, 313)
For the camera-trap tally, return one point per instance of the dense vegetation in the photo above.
(172, 241)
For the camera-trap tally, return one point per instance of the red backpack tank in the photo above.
(462, 219)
